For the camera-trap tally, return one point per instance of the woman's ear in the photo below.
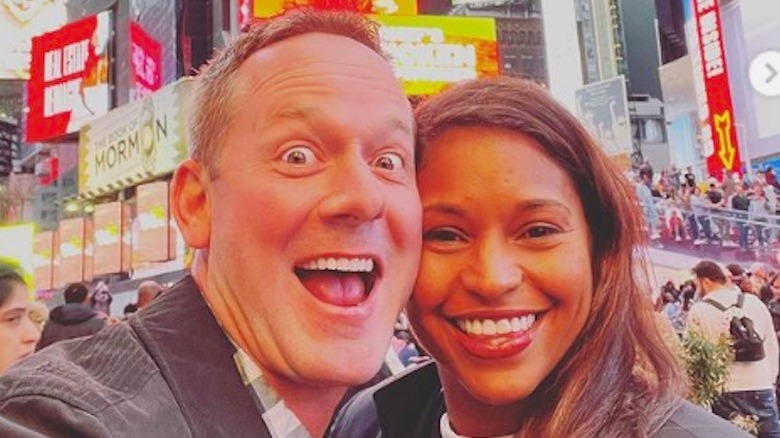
(190, 203)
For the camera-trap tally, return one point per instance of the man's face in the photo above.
(315, 220)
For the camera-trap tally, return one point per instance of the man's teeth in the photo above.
(491, 327)
(340, 264)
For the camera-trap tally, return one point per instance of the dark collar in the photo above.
(196, 359)
(411, 404)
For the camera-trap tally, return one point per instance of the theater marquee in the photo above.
(134, 143)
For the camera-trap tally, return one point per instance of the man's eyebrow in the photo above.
(305, 113)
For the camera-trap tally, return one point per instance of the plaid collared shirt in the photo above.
(281, 421)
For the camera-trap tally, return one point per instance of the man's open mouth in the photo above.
(341, 281)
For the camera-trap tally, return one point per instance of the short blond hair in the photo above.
(215, 91)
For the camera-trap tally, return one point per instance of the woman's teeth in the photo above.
(492, 327)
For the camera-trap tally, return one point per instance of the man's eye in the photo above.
(389, 161)
(299, 156)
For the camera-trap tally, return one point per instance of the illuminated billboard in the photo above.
(20, 21)
(270, 8)
(145, 62)
(71, 251)
(151, 227)
(135, 142)
(107, 242)
(69, 78)
(429, 52)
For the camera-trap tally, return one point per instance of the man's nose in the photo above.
(355, 194)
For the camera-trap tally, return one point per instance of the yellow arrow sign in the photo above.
(727, 152)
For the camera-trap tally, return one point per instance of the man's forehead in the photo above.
(312, 113)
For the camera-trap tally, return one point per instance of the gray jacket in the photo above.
(166, 372)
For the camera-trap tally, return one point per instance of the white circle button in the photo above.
(765, 73)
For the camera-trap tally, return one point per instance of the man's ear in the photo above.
(190, 203)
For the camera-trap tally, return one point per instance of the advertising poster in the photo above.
(145, 63)
(135, 142)
(270, 8)
(107, 242)
(429, 52)
(603, 109)
(717, 129)
(69, 83)
(43, 260)
(20, 21)
(151, 228)
(71, 251)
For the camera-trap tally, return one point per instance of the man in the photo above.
(147, 291)
(301, 201)
(750, 386)
(73, 319)
(647, 202)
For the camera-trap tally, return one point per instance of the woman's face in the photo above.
(505, 282)
(18, 334)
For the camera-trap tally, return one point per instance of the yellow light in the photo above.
(72, 207)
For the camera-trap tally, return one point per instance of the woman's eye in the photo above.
(442, 235)
(540, 231)
(389, 161)
(299, 156)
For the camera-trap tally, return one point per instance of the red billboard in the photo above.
(68, 83)
(145, 63)
(718, 131)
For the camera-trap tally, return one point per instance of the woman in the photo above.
(18, 333)
(527, 296)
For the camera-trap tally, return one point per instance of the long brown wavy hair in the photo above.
(619, 378)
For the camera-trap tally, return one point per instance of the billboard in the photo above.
(269, 8)
(107, 242)
(718, 132)
(603, 109)
(151, 227)
(135, 142)
(69, 78)
(145, 63)
(521, 48)
(71, 251)
(429, 52)
(20, 21)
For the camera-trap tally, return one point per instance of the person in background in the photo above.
(528, 297)
(739, 277)
(74, 319)
(300, 202)
(148, 291)
(101, 298)
(18, 333)
(749, 387)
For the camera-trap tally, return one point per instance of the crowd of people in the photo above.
(730, 210)
(320, 204)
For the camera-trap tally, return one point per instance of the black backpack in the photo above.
(747, 344)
